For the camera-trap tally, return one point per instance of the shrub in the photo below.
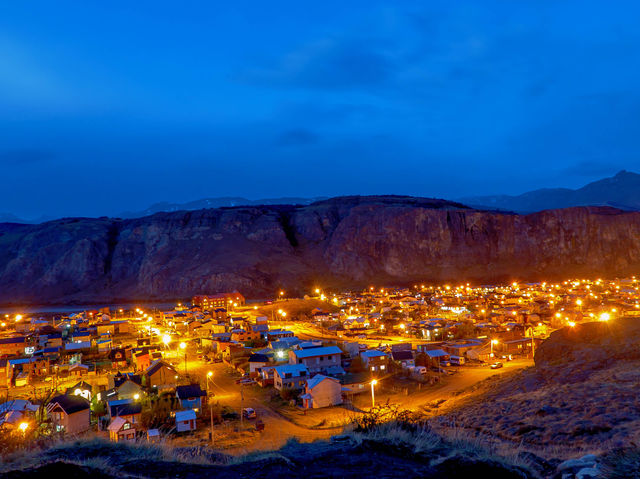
(289, 393)
(383, 414)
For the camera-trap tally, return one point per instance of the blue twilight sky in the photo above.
(112, 106)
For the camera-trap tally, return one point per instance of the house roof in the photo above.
(313, 352)
(69, 404)
(156, 365)
(436, 353)
(81, 385)
(402, 355)
(120, 379)
(117, 423)
(372, 353)
(126, 408)
(317, 379)
(189, 391)
(185, 415)
(17, 405)
(258, 358)
(294, 369)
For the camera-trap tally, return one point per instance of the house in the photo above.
(356, 383)
(242, 335)
(160, 373)
(125, 408)
(257, 361)
(13, 411)
(12, 346)
(404, 358)
(277, 334)
(71, 414)
(317, 359)
(436, 356)
(82, 389)
(4, 373)
(374, 360)
(322, 391)
(104, 345)
(290, 376)
(118, 357)
(78, 370)
(186, 420)
(141, 360)
(129, 389)
(190, 397)
(121, 429)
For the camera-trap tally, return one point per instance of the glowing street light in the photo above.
(373, 398)
(493, 341)
(166, 339)
(571, 324)
(183, 346)
(23, 426)
(605, 317)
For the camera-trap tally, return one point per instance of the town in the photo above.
(239, 376)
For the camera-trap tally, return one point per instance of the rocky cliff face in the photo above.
(343, 241)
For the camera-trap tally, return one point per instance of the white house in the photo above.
(322, 391)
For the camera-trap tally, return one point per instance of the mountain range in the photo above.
(620, 191)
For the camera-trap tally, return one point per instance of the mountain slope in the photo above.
(348, 241)
(620, 191)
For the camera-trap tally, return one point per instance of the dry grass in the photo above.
(593, 412)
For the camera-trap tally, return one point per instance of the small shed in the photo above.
(186, 420)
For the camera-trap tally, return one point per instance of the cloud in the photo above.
(24, 157)
(331, 64)
(297, 137)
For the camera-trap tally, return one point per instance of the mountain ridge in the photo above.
(341, 242)
(620, 191)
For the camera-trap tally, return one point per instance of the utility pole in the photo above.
(211, 412)
(241, 406)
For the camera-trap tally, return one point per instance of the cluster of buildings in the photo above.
(105, 366)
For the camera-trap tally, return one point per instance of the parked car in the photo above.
(496, 365)
(249, 413)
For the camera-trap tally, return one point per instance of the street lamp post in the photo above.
(209, 376)
(493, 341)
(183, 346)
(373, 397)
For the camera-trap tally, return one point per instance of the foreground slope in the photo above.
(348, 241)
(582, 394)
